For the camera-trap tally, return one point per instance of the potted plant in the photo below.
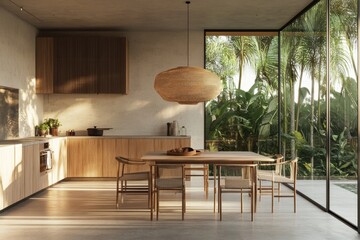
(54, 125)
(43, 129)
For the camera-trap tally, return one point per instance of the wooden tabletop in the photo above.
(222, 157)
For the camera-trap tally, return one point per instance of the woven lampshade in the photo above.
(187, 85)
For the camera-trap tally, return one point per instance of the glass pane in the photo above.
(303, 62)
(343, 109)
(244, 115)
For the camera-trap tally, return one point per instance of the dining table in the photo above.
(205, 157)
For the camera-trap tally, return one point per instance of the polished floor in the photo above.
(86, 210)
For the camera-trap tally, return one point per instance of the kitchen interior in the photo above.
(96, 125)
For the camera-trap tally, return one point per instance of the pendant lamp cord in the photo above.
(188, 26)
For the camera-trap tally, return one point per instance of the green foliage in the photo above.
(43, 126)
(247, 120)
(52, 122)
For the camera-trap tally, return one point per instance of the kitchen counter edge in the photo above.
(36, 140)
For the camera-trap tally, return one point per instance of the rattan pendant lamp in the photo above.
(187, 85)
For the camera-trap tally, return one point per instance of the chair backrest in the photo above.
(122, 162)
(279, 158)
(293, 169)
(246, 178)
(164, 171)
(289, 169)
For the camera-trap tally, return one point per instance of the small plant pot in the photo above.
(54, 131)
(42, 132)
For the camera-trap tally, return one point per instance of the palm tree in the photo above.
(244, 48)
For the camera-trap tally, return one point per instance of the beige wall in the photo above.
(17, 68)
(142, 111)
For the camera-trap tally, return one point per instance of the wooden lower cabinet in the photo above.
(20, 174)
(95, 157)
(84, 157)
(11, 175)
(59, 160)
(112, 148)
(31, 157)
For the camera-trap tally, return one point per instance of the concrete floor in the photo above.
(86, 210)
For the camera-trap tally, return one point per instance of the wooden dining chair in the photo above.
(245, 183)
(284, 173)
(199, 170)
(266, 169)
(174, 182)
(125, 180)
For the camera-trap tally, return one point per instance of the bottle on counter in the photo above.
(175, 128)
(36, 131)
(183, 131)
(168, 129)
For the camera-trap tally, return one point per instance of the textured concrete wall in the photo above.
(142, 111)
(17, 68)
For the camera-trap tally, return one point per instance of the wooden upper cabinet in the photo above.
(44, 69)
(76, 64)
(112, 65)
(82, 64)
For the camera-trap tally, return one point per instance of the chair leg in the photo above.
(117, 193)
(157, 204)
(220, 203)
(214, 173)
(206, 183)
(279, 192)
(252, 203)
(260, 189)
(272, 196)
(183, 204)
(294, 198)
(241, 200)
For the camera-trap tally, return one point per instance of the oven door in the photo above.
(45, 160)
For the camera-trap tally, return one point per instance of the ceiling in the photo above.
(156, 15)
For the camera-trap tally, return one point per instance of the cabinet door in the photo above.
(34, 180)
(109, 153)
(19, 175)
(137, 148)
(29, 169)
(76, 64)
(44, 70)
(58, 171)
(85, 157)
(111, 149)
(62, 164)
(6, 175)
(112, 74)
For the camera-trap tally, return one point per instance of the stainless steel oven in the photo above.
(45, 157)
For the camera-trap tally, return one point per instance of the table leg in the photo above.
(214, 173)
(151, 192)
(256, 188)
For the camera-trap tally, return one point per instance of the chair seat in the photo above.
(137, 176)
(236, 183)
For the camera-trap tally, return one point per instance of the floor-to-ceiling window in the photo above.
(320, 104)
(244, 116)
(317, 103)
(343, 109)
(303, 78)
